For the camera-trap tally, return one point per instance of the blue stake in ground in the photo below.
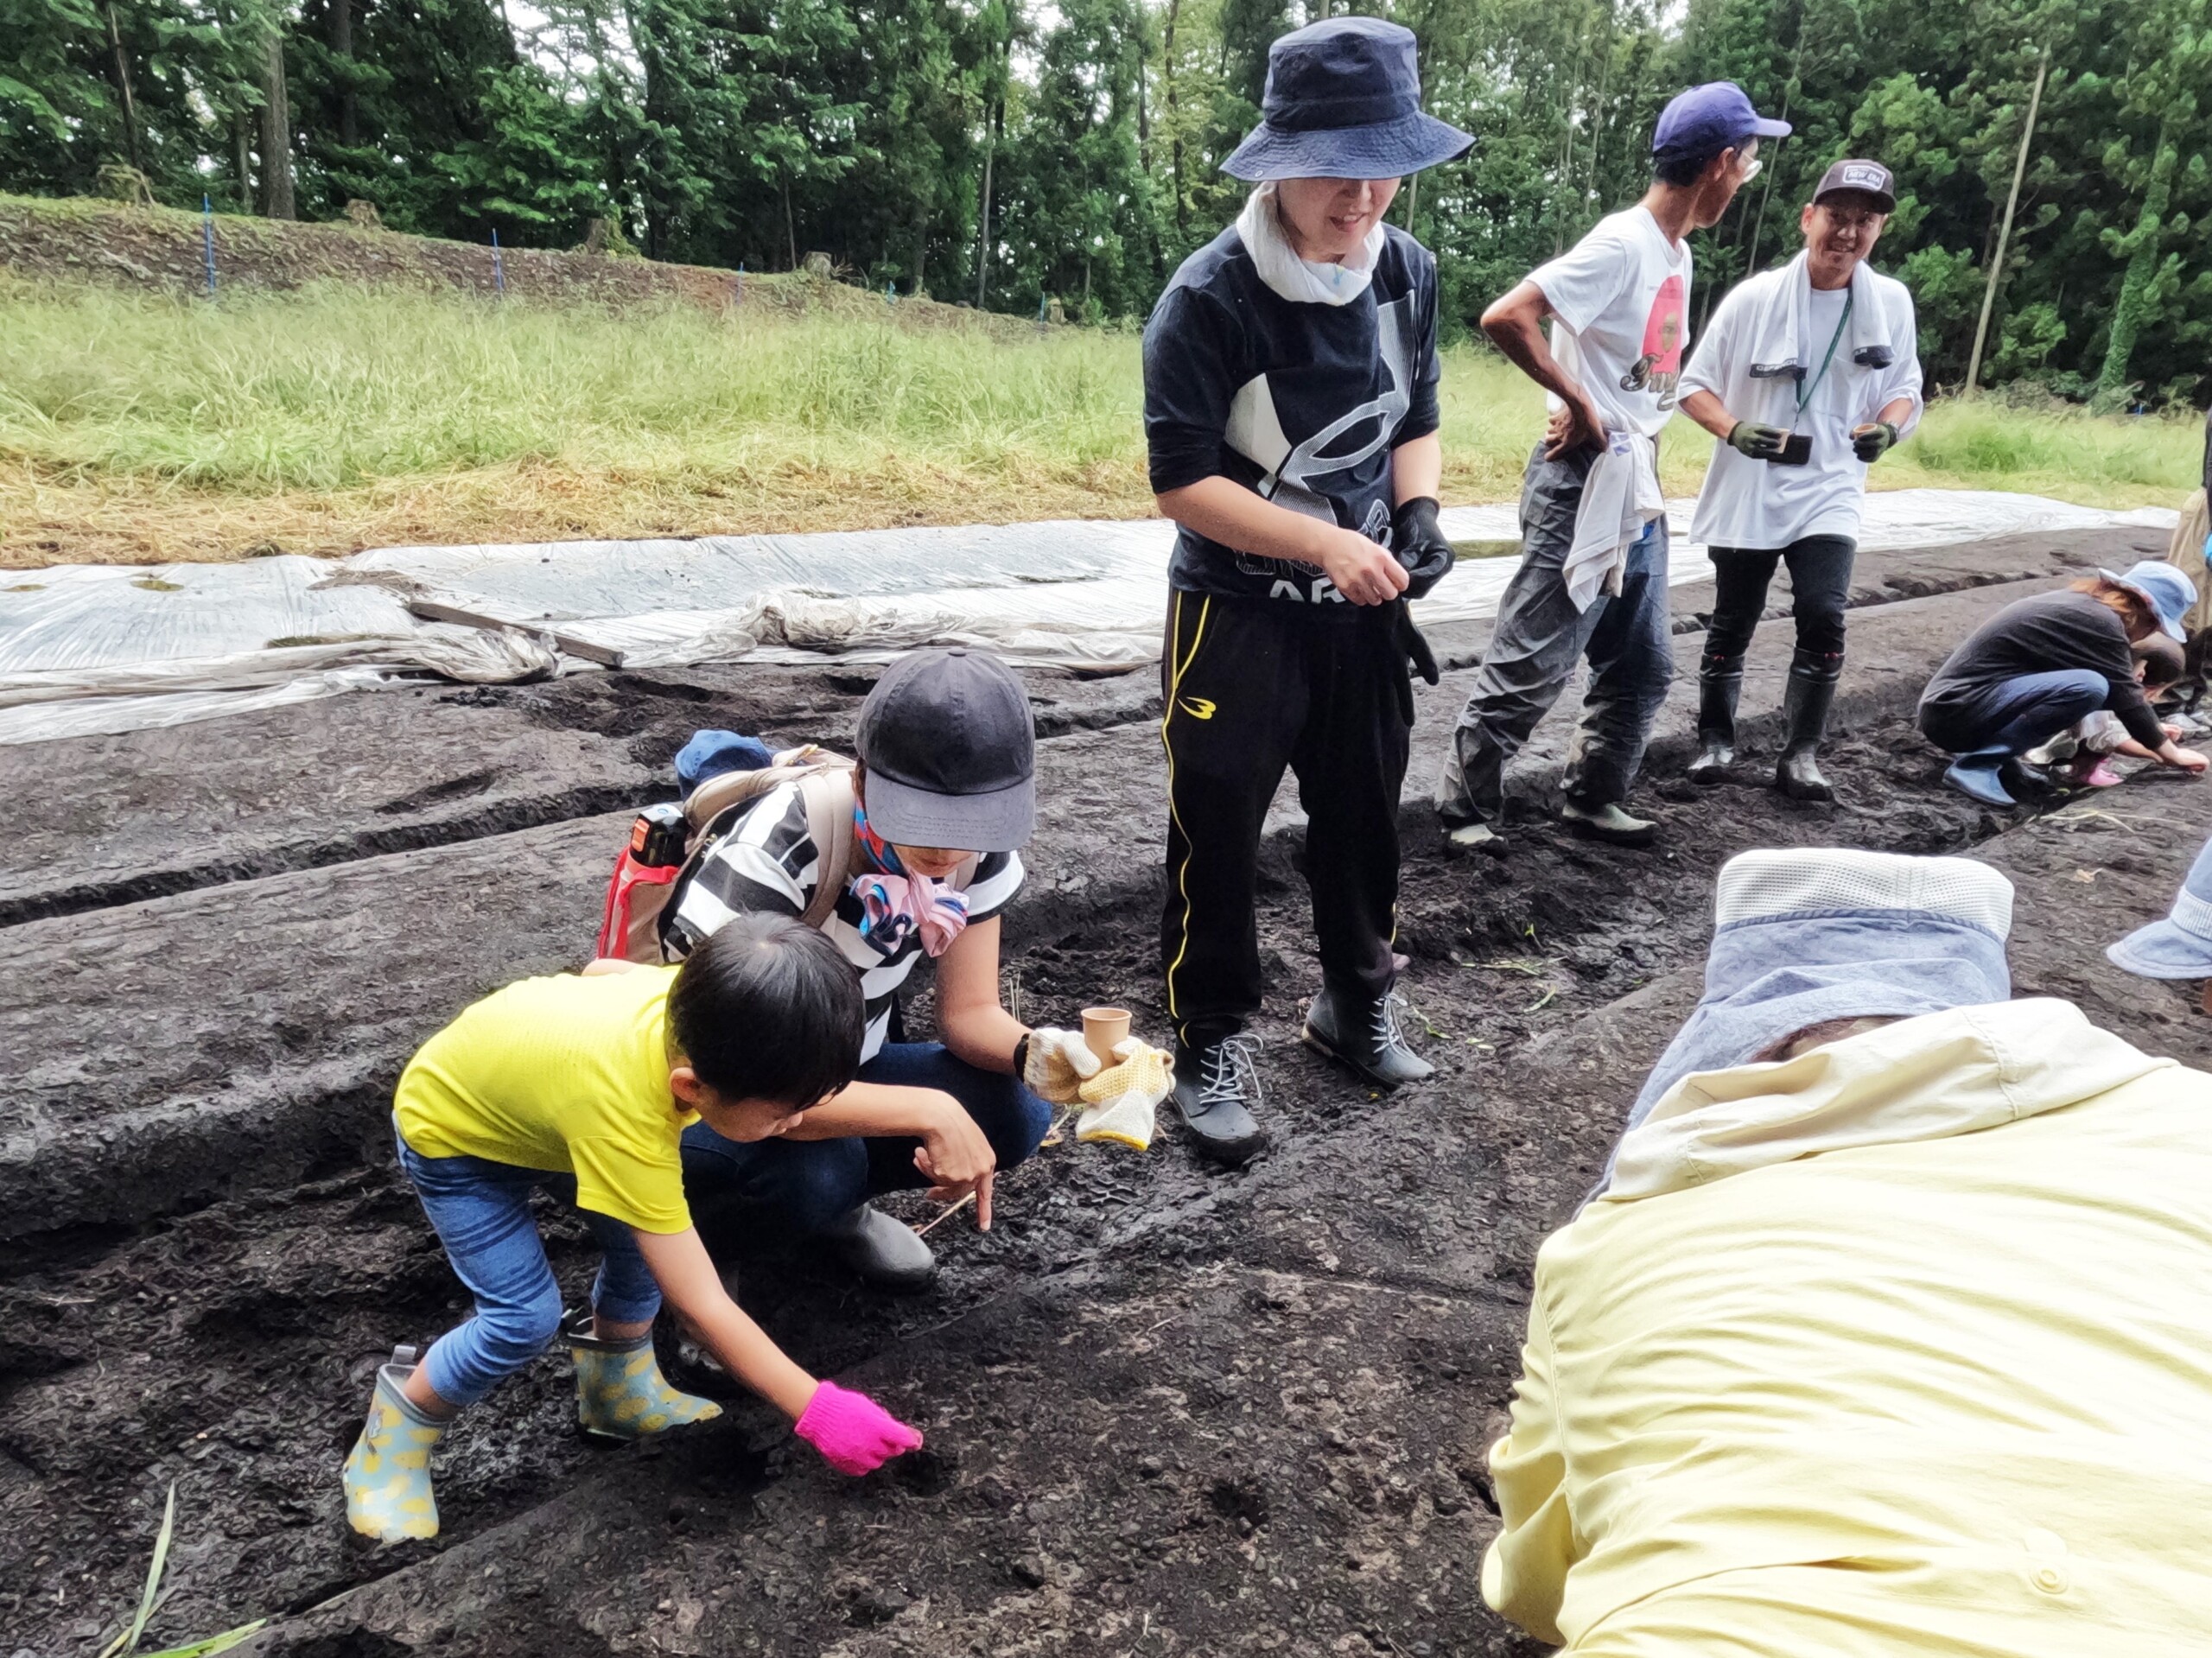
(207, 240)
(498, 270)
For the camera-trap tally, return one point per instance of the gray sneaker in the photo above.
(1609, 823)
(881, 1251)
(1477, 836)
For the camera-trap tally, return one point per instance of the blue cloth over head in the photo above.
(711, 753)
(2180, 947)
(1802, 938)
(1344, 102)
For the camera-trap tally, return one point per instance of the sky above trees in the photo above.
(1007, 152)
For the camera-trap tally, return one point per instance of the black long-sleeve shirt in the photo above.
(2038, 635)
(1302, 403)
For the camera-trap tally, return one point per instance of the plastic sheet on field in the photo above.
(92, 649)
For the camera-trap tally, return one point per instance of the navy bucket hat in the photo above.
(1344, 102)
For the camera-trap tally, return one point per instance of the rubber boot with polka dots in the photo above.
(620, 1392)
(388, 1476)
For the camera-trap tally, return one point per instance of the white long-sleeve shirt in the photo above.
(1769, 320)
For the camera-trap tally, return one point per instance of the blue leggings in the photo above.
(481, 1211)
(799, 1186)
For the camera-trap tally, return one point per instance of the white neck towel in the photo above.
(1781, 329)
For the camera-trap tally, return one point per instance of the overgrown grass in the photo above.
(138, 428)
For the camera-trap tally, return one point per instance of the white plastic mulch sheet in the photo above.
(87, 649)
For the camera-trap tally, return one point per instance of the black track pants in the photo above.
(1251, 686)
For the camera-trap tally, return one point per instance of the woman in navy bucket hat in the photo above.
(1291, 418)
(1344, 102)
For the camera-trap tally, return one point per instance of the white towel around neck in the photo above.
(1303, 281)
(1780, 332)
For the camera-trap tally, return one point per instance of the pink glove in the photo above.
(854, 1433)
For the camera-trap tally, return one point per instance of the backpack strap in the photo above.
(828, 798)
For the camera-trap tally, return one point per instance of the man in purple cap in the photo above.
(1592, 581)
(1290, 376)
(1809, 374)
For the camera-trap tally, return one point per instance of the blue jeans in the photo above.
(2018, 715)
(481, 1212)
(1533, 648)
(799, 1186)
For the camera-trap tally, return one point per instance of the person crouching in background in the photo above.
(2044, 662)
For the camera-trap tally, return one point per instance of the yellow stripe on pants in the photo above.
(1176, 669)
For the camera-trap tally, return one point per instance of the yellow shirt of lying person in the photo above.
(1901, 1348)
(566, 1074)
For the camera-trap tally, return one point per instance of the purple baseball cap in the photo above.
(1708, 119)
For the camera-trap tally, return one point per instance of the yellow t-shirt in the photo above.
(566, 1074)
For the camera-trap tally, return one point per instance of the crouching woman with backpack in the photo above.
(943, 795)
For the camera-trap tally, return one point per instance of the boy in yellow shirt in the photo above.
(584, 1084)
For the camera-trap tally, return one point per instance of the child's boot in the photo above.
(388, 1476)
(620, 1392)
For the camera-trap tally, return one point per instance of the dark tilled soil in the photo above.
(1170, 1409)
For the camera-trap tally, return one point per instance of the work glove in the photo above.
(1873, 441)
(1054, 1063)
(854, 1433)
(1418, 544)
(1122, 1097)
(1756, 442)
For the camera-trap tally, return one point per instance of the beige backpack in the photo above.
(640, 892)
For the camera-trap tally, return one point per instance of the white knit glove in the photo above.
(1123, 1097)
(1058, 1065)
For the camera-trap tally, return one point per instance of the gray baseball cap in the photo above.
(949, 749)
(1867, 178)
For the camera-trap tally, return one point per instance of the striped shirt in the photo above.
(768, 863)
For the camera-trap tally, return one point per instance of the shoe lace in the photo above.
(1231, 1071)
(1383, 1022)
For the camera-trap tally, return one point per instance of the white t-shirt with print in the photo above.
(1620, 301)
(1756, 504)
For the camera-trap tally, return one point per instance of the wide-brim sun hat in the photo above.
(1343, 101)
(2168, 592)
(2180, 947)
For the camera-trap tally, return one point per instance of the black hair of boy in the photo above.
(765, 1008)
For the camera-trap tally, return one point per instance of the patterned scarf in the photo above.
(895, 905)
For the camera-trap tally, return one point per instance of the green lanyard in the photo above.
(1841, 323)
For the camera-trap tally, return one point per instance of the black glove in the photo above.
(1420, 545)
(1757, 442)
(1871, 441)
(1419, 657)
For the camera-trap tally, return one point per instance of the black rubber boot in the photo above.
(1365, 1035)
(1216, 1089)
(1719, 682)
(1813, 676)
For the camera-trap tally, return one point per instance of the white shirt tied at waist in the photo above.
(1620, 498)
(1762, 356)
